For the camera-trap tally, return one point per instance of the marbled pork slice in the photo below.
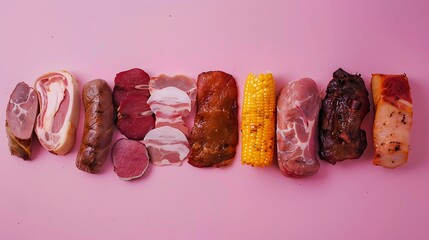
(298, 106)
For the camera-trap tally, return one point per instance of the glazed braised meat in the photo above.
(214, 136)
(343, 109)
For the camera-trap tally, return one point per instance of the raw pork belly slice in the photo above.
(170, 104)
(130, 95)
(58, 119)
(214, 136)
(167, 146)
(21, 115)
(130, 159)
(181, 82)
(298, 106)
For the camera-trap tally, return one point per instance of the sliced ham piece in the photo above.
(181, 82)
(298, 106)
(21, 115)
(56, 124)
(130, 95)
(170, 104)
(130, 159)
(167, 146)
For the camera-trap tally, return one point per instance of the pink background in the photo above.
(48, 198)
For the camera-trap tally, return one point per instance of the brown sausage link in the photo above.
(98, 126)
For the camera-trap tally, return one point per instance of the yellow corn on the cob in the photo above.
(258, 116)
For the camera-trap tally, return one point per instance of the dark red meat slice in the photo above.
(135, 128)
(130, 95)
(134, 117)
(130, 159)
(128, 82)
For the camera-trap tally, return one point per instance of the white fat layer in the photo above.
(165, 133)
(55, 93)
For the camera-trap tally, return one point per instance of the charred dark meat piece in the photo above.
(343, 109)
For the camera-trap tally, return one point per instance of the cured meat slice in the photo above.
(214, 136)
(98, 126)
(130, 95)
(298, 106)
(170, 104)
(343, 110)
(21, 115)
(130, 82)
(130, 159)
(393, 119)
(181, 82)
(56, 124)
(167, 146)
(134, 117)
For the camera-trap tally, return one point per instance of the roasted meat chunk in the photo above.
(343, 109)
(214, 136)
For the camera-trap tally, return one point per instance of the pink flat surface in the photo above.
(49, 198)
